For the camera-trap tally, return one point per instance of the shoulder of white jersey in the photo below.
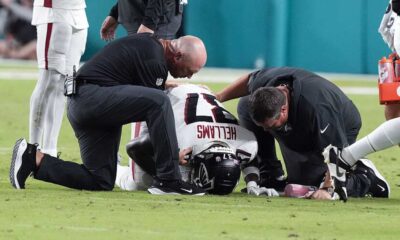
(247, 146)
(62, 4)
(182, 90)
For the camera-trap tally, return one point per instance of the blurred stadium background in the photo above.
(326, 36)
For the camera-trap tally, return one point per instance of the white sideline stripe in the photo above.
(14, 75)
(223, 75)
(6, 149)
(360, 90)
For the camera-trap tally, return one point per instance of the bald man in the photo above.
(120, 84)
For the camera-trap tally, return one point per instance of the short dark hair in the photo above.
(266, 103)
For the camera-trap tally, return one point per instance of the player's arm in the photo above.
(251, 173)
(235, 90)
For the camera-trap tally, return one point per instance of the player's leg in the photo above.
(76, 50)
(38, 96)
(384, 136)
(138, 176)
(71, 51)
(124, 179)
(132, 177)
(37, 104)
(47, 101)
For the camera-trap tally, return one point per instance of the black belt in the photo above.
(83, 82)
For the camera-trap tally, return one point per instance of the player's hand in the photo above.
(321, 194)
(254, 189)
(107, 31)
(183, 156)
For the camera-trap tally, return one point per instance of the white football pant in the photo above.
(59, 48)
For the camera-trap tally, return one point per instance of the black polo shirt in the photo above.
(319, 112)
(137, 59)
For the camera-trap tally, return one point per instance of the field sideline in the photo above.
(46, 211)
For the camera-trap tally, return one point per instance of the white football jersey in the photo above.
(390, 29)
(66, 11)
(61, 4)
(200, 118)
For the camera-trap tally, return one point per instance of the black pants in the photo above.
(302, 168)
(97, 114)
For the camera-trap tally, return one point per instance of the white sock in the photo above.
(54, 116)
(384, 136)
(47, 110)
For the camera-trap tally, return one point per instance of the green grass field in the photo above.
(46, 211)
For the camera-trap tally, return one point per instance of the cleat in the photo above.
(338, 175)
(23, 163)
(337, 170)
(177, 187)
(379, 186)
(332, 155)
(340, 189)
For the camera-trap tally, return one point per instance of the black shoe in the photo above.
(23, 163)
(174, 187)
(379, 186)
(340, 189)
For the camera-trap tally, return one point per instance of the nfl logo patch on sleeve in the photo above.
(159, 81)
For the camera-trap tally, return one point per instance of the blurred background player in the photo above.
(390, 32)
(212, 138)
(19, 35)
(161, 17)
(62, 30)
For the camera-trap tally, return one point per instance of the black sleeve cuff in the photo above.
(114, 11)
